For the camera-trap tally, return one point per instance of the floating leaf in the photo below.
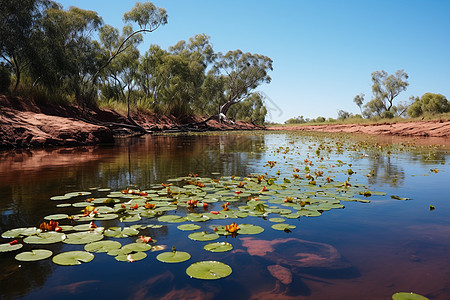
(208, 270)
(33, 255)
(171, 219)
(277, 220)
(49, 237)
(399, 198)
(102, 246)
(85, 237)
(187, 227)
(283, 226)
(73, 258)
(173, 256)
(118, 232)
(10, 247)
(408, 296)
(136, 247)
(56, 217)
(203, 236)
(218, 247)
(134, 218)
(250, 229)
(131, 257)
(19, 232)
(59, 198)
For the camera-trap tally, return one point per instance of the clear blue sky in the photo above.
(323, 51)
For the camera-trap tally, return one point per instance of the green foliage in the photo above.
(429, 104)
(342, 115)
(296, 120)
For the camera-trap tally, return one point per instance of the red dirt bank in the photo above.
(416, 128)
(25, 124)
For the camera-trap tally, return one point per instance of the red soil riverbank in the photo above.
(434, 128)
(25, 124)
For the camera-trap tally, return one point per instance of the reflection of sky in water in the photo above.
(384, 246)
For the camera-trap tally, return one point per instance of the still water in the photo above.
(364, 251)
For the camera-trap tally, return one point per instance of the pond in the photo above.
(318, 216)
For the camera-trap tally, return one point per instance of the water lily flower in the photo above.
(205, 205)
(264, 189)
(58, 229)
(215, 212)
(238, 192)
(13, 242)
(146, 239)
(130, 259)
(135, 206)
(233, 228)
(296, 176)
(149, 205)
(92, 225)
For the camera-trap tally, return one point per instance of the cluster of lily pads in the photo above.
(289, 190)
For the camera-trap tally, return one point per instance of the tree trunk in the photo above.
(224, 108)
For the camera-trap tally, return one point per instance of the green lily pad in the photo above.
(171, 219)
(173, 256)
(62, 205)
(8, 247)
(133, 218)
(19, 232)
(187, 227)
(203, 236)
(283, 226)
(49, 237)
(250, 229)
(56, 217)
(33, 255)
(118, 232)
(73, 258)
(408, 296)
(76, 194)
(84, 237)
(102, 246)
(81, 204)
(60, 198)
(277, 220)
(82, 227)
(134, 256)
(136, 247)
(208, 270)
(218, 247)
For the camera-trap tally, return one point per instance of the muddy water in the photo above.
(365, 251)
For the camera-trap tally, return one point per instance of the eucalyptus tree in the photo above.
(18, 23)
(386, 87)
(243, 73)
(359, 100)
(251, 110)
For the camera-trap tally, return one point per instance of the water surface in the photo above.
(365, 251)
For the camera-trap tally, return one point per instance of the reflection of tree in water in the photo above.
(385, 171)
(432, 157)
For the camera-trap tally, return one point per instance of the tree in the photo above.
(148, 17)
(429, 103)
(359, 100)
(342, 115)
(386, 87)
(243, 72)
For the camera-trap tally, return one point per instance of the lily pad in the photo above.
(8, 247)
(118, 232)
(19, 232)
(283, 226)
(171, 219)
(56, 217)
(203, 236)
(408, 296)
(133, 218)
(33, 255)
(136, 247)
(218, 247)
(187, 227)
(250, 229)
(73, 258)
(102, 246)
(173, 256)
(277, 220)
(59, 198)
(49, 237)
(208, 270)
(84, 237)
(133, 256)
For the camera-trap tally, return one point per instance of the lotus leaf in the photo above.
(203, 236)
(187, 227)
(73, 258)
(49, 237)
(218, 247)
(208, 270)
(84, 237)
(173, 256)
(33, 255)
(102, 246)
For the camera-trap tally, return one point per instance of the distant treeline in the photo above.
(71, 56)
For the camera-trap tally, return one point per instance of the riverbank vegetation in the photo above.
(71, 57)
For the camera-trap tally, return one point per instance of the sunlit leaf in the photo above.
(34, 255)
(408, 296)
(208, 270)
(102, 246)
(173, 256)
(10, 247)
(218, 247)
(203, 236)
(73, 258)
